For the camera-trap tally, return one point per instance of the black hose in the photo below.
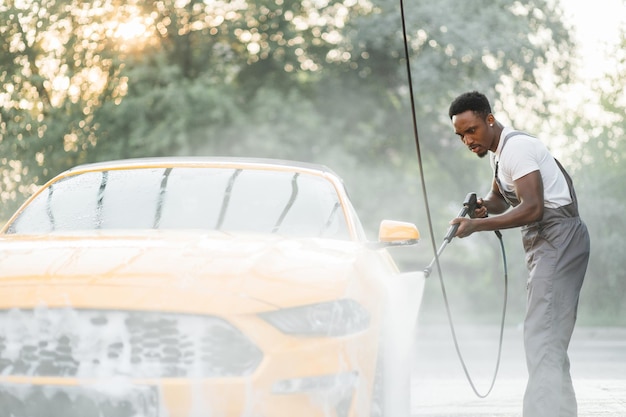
(430, 227)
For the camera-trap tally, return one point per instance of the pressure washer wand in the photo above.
(469, 204)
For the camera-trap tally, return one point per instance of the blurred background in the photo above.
(326, 81)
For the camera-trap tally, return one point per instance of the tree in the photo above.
(598, 154)
(67, 66)
(59, 62)
(336, 56)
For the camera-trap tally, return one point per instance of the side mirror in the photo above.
(396, 233)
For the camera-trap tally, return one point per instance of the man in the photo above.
(531, 190)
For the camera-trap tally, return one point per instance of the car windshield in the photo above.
(226, 199)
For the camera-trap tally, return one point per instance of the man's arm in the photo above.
(494, 201)
(529, 189)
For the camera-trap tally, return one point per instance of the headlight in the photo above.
(333, 318)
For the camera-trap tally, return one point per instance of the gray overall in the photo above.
(557, 252)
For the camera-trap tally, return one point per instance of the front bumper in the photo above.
(313, 377)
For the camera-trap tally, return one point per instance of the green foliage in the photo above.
(600, 154)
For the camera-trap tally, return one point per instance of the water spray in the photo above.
(469, 204)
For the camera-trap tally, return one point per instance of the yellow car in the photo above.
(202, 287)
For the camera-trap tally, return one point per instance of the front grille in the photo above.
(37, 401)
(105, 343)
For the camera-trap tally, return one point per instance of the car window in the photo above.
(265, 201)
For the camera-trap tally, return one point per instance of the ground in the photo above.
(440, 388)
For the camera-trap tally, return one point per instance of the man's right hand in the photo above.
(479, 211)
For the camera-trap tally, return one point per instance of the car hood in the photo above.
(179, 271)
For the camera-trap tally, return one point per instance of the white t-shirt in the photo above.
(524, 154)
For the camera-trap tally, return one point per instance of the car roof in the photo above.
(201, 160)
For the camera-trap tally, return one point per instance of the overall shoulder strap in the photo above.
(510, 198)
(510, 135)
(568, 179)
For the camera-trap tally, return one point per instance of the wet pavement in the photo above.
(441, 389)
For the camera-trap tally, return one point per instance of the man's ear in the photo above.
(490, 119)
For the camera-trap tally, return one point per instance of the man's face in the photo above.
(475, 132)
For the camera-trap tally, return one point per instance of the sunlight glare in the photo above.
(596, 29)
(132, 29)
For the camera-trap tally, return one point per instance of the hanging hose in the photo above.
(430, 227)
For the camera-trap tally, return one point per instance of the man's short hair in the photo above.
(474, 101)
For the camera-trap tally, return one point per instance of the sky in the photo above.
(596, 24)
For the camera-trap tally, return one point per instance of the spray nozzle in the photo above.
(469, 205)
